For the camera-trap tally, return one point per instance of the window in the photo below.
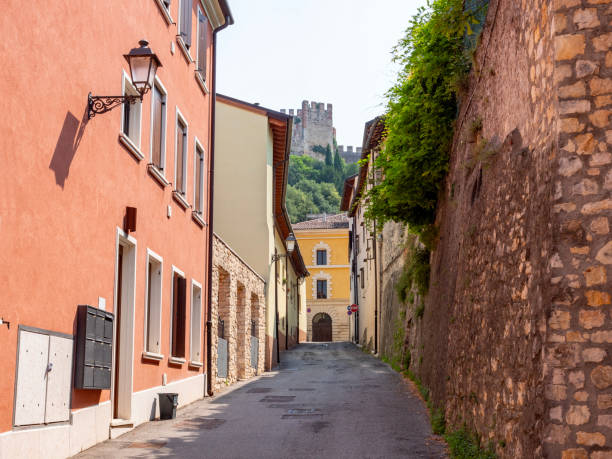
(195, 351)
(130, 117)
(198, 183)
(321, 257)
(180, 171)
(153, 306)
(361, 277)
(158, 126)
(321, 289)
(184, 26)
(202, 44)
(179, 310)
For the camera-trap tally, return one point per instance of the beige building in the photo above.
(324, 243)
(252, 147)
(365, 245)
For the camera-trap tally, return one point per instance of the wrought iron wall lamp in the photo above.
(290, 241)
(143, 66)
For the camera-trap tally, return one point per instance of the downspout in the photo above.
(287, 301)
(355, 281)
(211, 200)
(276, 303)
(375, 293)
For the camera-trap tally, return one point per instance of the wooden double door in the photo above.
(321, 327)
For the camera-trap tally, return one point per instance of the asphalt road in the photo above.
(326, 401)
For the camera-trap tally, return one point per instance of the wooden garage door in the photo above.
(321, 327)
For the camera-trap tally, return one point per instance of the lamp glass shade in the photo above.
(290, 243)
(142, 69)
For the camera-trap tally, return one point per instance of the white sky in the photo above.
(280, 52)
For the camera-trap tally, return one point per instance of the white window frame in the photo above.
(164, 91)
(149, 353)
(172, 358)
(201, 79)
(181, 193)
(179, 39)
(132, 144)
(165, 11)
(195, 336)
(197, 144)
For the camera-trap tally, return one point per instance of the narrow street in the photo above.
(327, 401)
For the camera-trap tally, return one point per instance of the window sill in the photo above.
(198, 219)
(176, 360)
(196, 364)
(180, 199)
(202, 83)
(157, 175)
(130, 146)
(184, 49)
(165, 12)
(152, 356)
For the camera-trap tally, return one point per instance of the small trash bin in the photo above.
(168, 402)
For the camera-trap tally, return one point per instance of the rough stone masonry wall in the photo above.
(578, 362)
(237, 298)
(479, 344)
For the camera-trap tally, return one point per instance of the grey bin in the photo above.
(168, 402)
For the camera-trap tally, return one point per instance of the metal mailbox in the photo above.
(94, 348)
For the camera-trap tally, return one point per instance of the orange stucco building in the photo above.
(68, 182)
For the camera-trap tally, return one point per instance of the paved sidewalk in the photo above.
(326, 401)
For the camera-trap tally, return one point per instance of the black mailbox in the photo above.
(94, 348)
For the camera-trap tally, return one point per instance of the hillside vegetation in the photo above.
(315, 187)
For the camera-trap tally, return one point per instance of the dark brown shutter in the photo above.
(181, 317)
(157, 127)
(174, 314)
(202, 30)
(186, 9)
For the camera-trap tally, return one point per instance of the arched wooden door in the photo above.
(321, 327)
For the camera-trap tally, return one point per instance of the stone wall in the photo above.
(338, 313)
(238, 297)
(515, 338)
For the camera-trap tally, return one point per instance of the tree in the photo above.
(329, 161)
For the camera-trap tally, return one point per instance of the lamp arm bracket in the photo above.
(96, 105)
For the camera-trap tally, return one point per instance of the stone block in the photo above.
(600, 118)
(609, 59)
(586, 68)
(594, 354)
(597, 298)
(601, 376)
(608, 181)
(576, 378)
(574, 337)
(586, 18)
(589, 318)
(605, 420)
(604, 401)
(586, 187)
(578, 415)
(556, 392)
(600, 159)
(597, 207)
(602, 337)
(560, 4)
(581, 396)
(571, 125)
(602, 101)
(573, 91)
(604, 255)
(562, 72)
(569, 46)
(559, 320)
(556, 413)
(595, 275)
(574, 453)
(603, 42)
(600, 86)
(569, 166)
(568, 107)
(590, 438)
(557, 434)
(585, 144)
(601, 455)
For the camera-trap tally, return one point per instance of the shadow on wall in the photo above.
(67, 145)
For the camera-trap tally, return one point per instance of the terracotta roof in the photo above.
(325, 222)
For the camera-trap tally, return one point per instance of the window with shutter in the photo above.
(179, 308)
(158, 127)
(202, 31)
(199, 179)
(153, 304)
(185, 22)
(181, 153)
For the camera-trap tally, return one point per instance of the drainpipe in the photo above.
(286, 301)
(211, 200)
(355, 281)
(375, 292)
(276, 303)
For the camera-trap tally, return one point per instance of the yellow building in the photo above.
(324, 246)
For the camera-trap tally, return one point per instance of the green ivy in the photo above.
(421, 109)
